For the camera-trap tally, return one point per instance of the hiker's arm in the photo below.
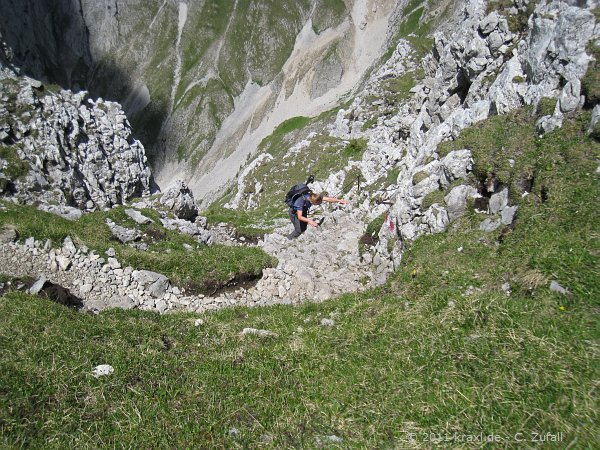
(301, 218)
(335, 200)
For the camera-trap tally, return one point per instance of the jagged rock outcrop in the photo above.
(66, 150)
(180, 200)
(478, 69)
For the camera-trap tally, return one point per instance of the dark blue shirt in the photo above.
(301, 203)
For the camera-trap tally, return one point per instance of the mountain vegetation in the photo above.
(466, 338)
(452, 303)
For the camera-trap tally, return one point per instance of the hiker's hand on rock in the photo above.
(343, 202)
(313, 224)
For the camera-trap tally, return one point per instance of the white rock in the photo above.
(138, 217)
(113, 263)
(68, 246)
(498, 201)
(258, 332)
(37, 286)
(102, 370)
(86, 288)
(63, 262)
(327, 322)
(556, 287)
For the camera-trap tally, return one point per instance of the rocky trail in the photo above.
(322, 263)
(318, 265)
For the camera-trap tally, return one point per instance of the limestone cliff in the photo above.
(64, 151)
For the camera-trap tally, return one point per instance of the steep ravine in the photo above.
(257, 111)
(202, 83)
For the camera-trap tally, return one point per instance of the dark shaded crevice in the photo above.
(464, 85)
(49, 290)
(214, 287)
(52, 41)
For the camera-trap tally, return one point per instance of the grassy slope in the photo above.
(418, 355)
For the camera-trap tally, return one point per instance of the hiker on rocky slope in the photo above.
(300, 198)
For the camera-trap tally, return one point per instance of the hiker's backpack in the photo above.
(295, 192)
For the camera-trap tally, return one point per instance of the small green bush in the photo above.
(590, 83)
(391, 243)
(352, 178)
(546, 106)
(375, 225)
(369, 123)
(392, 176)
(398, 89)
(355, 148)
(436, 196)
(16, 167)
(595, 131)
(516, 22)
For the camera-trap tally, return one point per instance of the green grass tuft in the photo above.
(517, 23)
(590, 83)
(418, 177)
(16, 168)
(436, 196)
(375, 225)
(289, 125)
(398, 89)
(355, 149)
(546, 106)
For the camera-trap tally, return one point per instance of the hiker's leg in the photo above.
(303, 225)
(297, 226)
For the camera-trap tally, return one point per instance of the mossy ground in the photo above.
(440, 351)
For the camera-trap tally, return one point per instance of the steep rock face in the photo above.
(49, 40)
(63, 150)
(480, 69)
(203, 82)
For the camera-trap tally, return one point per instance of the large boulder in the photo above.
(179, 199)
